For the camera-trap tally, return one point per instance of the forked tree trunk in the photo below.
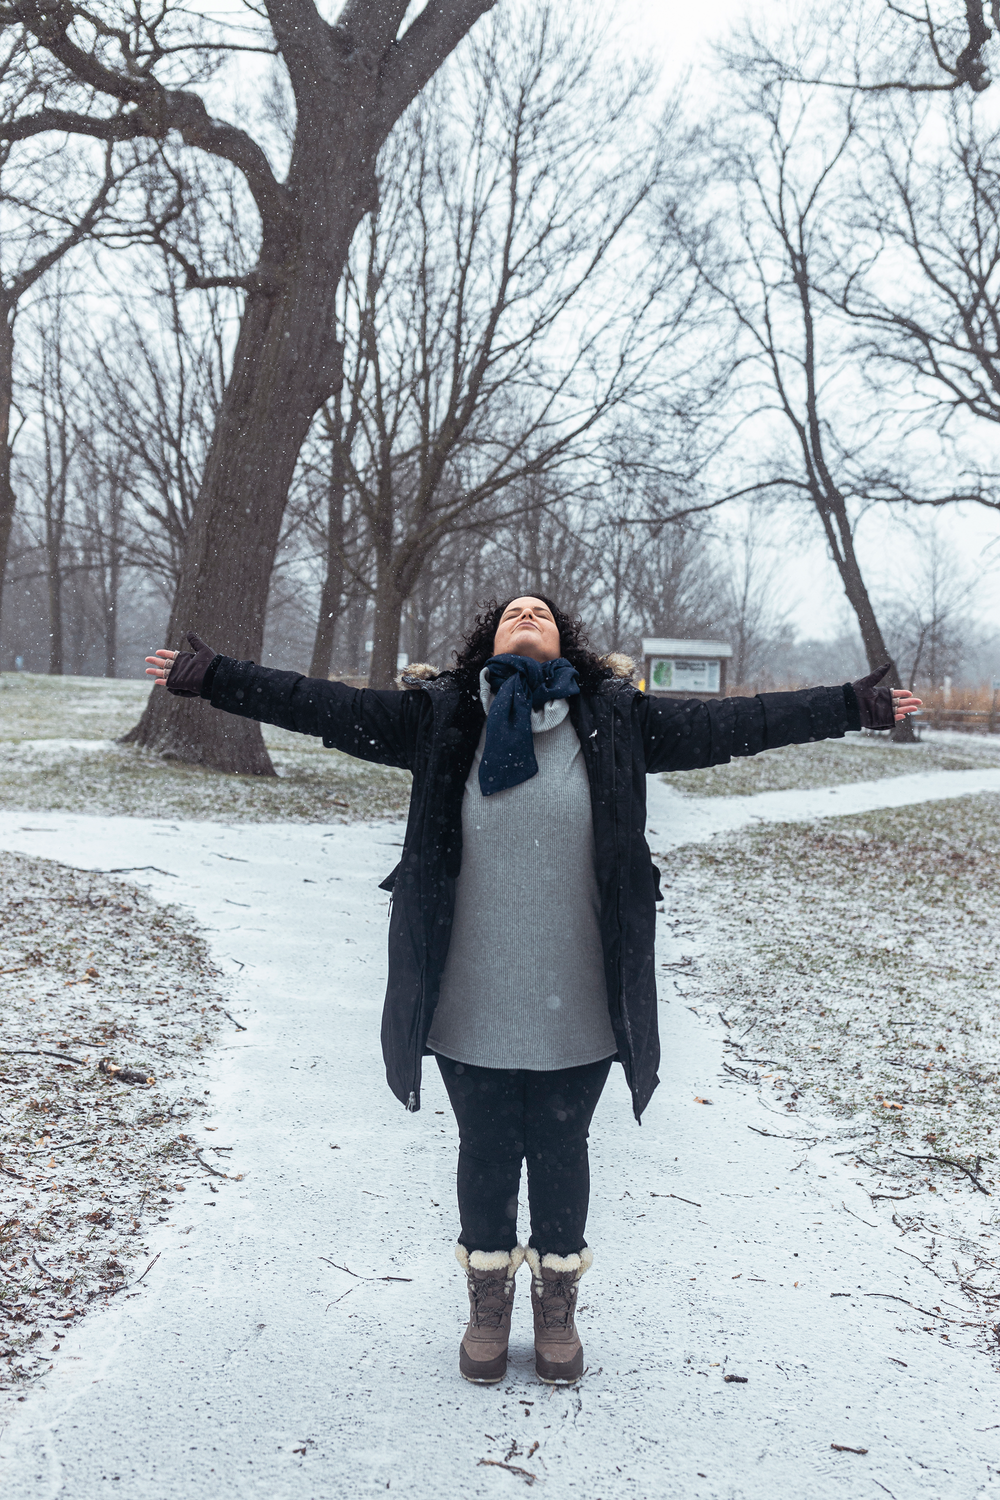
(287, 363)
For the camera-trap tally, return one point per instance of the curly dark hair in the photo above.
(573, 644)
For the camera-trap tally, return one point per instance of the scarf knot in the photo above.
(521, 685)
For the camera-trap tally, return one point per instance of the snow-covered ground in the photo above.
(249, 1362)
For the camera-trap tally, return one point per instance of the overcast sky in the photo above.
(682, 34)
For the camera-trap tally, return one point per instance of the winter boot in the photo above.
(555, 1285)
(482, 1355)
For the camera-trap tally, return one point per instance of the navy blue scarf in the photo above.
(520, 685)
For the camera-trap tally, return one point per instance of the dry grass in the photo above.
(89, 1162)
(57, 754)
(857, 757)
(856, 961)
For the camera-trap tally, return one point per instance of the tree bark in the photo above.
(389, 602)
(331, 596)
(287, 363)
(351, 82)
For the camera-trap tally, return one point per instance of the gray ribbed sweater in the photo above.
(523, 985)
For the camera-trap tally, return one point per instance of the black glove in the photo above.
(875, 703)
(187, 675)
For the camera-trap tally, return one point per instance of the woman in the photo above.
(523, 908)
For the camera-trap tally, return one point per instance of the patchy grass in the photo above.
(857, 757)
(855, 961)
(57, 755)
(89, 1161)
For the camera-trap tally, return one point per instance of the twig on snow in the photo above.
(678, 1197)
(44, 1269)
(777, 1136)
(40, 1052)
(152, 1263)
(949, 1163)
(358, 1277)
(856, 1216)
(843, 1448)
(128, 869)
(892, 1297)
(234, 1021)
(497, 1463)
(208, 1168)
(90, 1140)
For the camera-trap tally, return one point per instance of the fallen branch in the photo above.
(89, 1140)
(207, 1167)
(842, 1448)
(949, 1163)
(44, 1269)
(152, 1263)
(359, 1277)
(892, 1297)
(678, 1197)
(234, 1021)
(497, 1463)
(128, 870)
(40, 1052)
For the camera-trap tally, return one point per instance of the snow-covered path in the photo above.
(243, 1345)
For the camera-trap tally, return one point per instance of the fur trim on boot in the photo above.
(555, 1286)
(482, 1354)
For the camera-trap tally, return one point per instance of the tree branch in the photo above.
(412, 61)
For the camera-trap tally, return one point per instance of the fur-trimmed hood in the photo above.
(421, 672)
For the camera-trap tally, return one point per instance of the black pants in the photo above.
(506, 1116)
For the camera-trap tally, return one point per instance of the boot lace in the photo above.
(557, 1295)
(489, 1300)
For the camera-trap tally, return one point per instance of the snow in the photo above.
(243, 1346)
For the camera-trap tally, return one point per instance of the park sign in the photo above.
(685, 668)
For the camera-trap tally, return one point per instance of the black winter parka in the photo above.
(433, 732)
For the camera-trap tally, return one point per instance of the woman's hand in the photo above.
(182, 672)
(903, 703)
(158, 666)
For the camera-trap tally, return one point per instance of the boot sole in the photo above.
(481, 1372)
(550, 1374)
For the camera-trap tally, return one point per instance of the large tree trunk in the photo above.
(287, 363)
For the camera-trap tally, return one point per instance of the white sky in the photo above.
(681, 35)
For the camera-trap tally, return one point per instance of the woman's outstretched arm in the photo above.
(681, 735)
(376, 726)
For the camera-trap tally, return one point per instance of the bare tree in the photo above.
(921, 283)
(52, 198)
(755, 618)
(137, 75)
(929, 624)
(487, 332)
(879, 47)
(786, 206)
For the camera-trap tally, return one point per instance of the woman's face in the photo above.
(527, 629)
